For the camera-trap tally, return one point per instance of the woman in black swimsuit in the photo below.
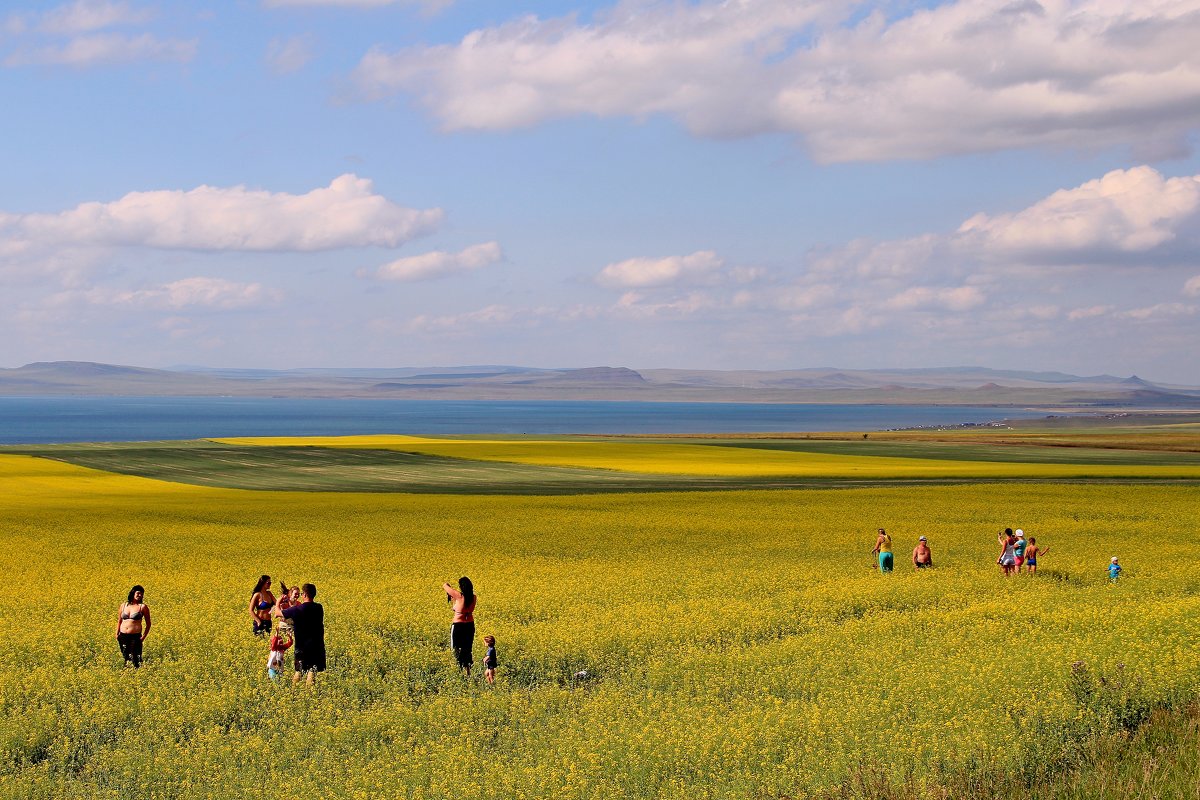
(133, 626)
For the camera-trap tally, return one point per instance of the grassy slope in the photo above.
(568, 465)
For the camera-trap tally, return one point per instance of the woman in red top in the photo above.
(462, 628)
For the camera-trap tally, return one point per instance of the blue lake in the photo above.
(29, 420)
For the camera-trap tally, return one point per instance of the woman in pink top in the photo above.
(462, 628)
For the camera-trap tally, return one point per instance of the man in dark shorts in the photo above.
(308, 621)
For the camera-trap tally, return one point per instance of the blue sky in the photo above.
(743, 184)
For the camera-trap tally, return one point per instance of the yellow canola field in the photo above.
(690, 459)
(30, 480)
(735, 644)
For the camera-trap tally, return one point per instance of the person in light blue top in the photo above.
(1019, 550)
(1114, 570)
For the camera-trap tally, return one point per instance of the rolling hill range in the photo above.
(951, 386)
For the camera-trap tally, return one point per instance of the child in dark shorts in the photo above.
(489, 660)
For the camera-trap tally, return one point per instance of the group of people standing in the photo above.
(462, 602)
(301, 622)
(1015, 552)
(294, 619)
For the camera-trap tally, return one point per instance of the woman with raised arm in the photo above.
(462, 627)
(261, 603)
(133, 626)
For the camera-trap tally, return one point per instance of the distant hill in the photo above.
(946, 386)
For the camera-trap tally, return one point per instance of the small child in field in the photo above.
(281, 640)
(489, 660)
(1031, 555)
(1114, 570)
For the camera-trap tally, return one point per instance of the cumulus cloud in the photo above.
(289, 55)
(672, 270)
(347, 213)
(961, 77)
(1127, 218)
(1126, 211)
(1000, 280)
(438, 264)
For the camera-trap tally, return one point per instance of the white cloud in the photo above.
(198, 292)
(453, 323)
(348, 213)
(90, 15)
(289, 55)
(1128, 218)
(427, 5)
(1126, 211)
(75, 35)
(1158, 311)
(969, 76)
(1090, 312)
(803, 298)
(649, 272)
(106, 48)
(926, 298)
(1004, 280)
(439, 263)
(637, 304)
(78, 17)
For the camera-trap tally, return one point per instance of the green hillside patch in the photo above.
(366, 468)
(972, 451)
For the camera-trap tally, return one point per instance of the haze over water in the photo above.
(30, 420)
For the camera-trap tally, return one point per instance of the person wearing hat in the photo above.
(1114, 570)
(922, 555)
(1019, 549)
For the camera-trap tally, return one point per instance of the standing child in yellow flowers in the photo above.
(489, 660)
(1114, 570)
(883, 549)
(1032, 553)
(281, 640)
